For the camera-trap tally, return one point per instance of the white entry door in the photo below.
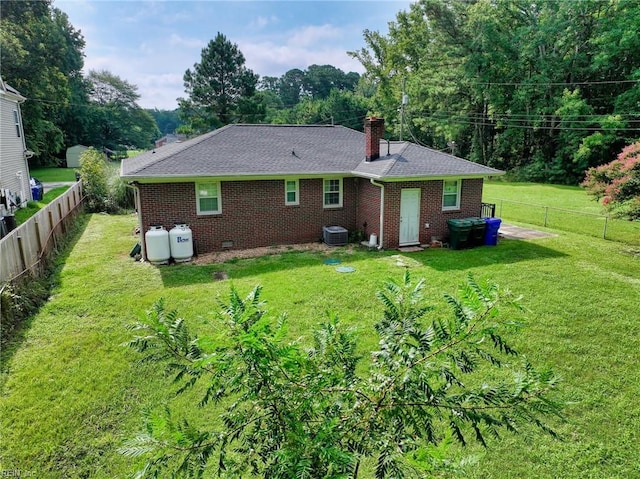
(409, 216)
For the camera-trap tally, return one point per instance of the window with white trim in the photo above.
(16, 120)
(208, 198)
(451, 194)
(332, 193)
(291, 192)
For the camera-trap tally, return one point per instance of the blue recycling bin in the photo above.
(491, 232)
(37, 189)
(35, 193)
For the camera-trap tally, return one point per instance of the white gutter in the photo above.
(381, 235)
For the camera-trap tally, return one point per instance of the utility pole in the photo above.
(405, 100)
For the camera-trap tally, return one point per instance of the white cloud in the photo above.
(311, 35)
(269, 59)
(177, 40)
(262, 21)
(145, 13)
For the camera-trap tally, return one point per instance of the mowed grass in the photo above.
(568, 208)
(23, 214)
(52, 175)
(72, 394)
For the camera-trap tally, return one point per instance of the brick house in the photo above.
(245, 186)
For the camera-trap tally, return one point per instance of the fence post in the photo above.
(22, 256)
(38, 239)
(604, 230)
(53, 233)
(546, 214)
(62, 225)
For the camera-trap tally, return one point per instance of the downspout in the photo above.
(381, 235)
(136, 201)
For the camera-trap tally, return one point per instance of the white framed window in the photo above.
(208, 199)
(291, 192)
(451, 194)
(332, 193)
(16, 121)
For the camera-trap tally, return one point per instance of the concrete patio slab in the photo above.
(518, 232)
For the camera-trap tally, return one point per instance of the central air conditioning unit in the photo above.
(334, 235)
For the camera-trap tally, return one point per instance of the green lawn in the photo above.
(53, 175)
(567, 208)
(23, 214)
(72, 394)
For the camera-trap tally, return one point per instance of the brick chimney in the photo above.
(373, 133)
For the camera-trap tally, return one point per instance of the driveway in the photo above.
(52, 185)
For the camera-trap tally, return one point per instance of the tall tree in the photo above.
(42, 57)
(117, 119)
(216, 85)
(168, 121)
(319, 80)
(290, 87)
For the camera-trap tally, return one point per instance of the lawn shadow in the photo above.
(39, 290)
(186, 274)
(506, 252)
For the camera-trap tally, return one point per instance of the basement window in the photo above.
(451, 194)
(208, 198)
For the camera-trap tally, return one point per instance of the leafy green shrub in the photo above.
(120, 194)
(93, 173)
(103, 188)
(295, 411)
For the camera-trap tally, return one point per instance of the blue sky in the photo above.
(152, 43)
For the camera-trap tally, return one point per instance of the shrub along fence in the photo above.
(590, 224)
(22, 251)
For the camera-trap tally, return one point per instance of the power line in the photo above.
(523, 83)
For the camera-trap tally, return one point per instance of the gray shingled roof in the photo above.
(296, 150)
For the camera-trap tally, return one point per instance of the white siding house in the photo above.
(15, 189)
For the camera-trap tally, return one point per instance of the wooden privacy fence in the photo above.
(23, 249)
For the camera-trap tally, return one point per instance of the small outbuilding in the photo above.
(73, 155)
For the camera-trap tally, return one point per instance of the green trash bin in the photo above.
(478, 227)
(459, 232)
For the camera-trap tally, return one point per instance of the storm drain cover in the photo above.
(345, 269)
(332, 261)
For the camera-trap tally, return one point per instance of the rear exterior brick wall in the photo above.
(430, 208)
(254, 213)
(368, 214)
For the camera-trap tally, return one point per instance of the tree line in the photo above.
(543, 88)
(42, 57)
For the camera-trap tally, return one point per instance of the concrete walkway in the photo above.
(518, 232)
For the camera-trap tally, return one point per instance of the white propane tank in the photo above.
(157, 240)
(181, 241)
